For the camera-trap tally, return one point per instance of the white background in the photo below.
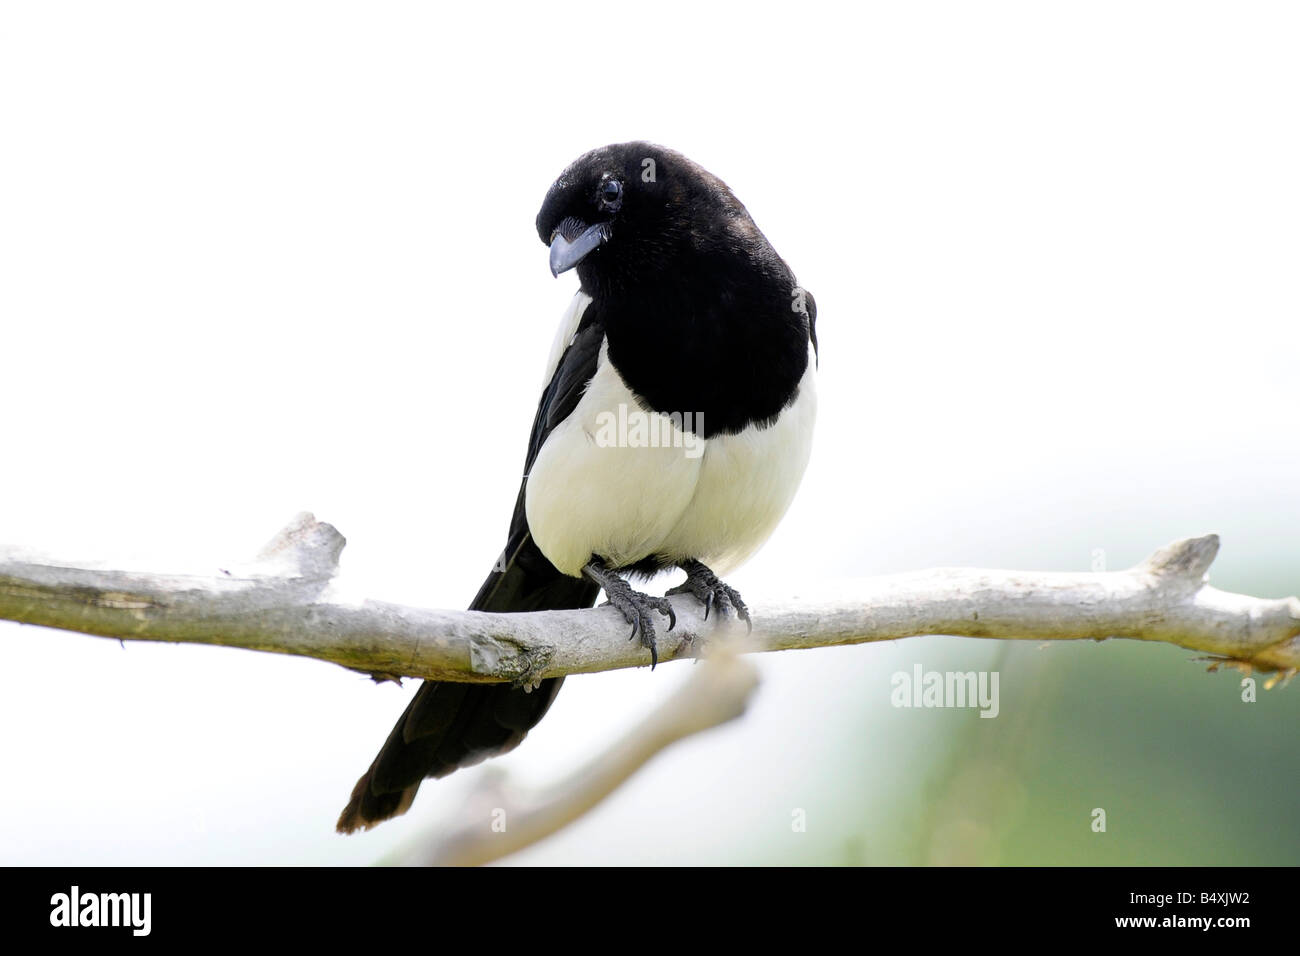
(257, 258)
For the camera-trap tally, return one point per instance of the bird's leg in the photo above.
(636, 607)
(711, 592)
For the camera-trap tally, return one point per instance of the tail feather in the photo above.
(434, 714)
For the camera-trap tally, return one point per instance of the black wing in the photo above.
(451, 725)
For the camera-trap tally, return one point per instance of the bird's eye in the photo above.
(611, 192)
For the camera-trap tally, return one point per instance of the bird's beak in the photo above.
(572, 241)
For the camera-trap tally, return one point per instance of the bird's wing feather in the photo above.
(451, 725)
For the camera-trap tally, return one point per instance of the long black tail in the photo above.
(449, 725)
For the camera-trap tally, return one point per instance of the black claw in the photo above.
(634, 606)
(712, 593)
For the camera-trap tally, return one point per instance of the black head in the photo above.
(626, 214)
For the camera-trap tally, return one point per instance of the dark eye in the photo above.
(611, 192)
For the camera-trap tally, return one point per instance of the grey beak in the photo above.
(572, 241)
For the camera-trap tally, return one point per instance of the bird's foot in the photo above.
(635, 606)
(711, 592)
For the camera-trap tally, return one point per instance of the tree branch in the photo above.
(499, 819)
(283, 603)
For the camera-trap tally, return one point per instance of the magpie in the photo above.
(689, 326)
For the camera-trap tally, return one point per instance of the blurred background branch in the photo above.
(282, 602)
(498, 820)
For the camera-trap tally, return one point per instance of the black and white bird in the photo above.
(686, 318)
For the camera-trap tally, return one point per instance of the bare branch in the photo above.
(498, 819)
(284, 603)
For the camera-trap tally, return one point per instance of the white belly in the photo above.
(745, 486)
(716, 502)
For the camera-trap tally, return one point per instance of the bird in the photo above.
(674, 427)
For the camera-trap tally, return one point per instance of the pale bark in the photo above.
(283, 603)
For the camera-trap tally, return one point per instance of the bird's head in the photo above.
(626, 213)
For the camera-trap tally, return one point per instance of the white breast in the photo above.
(614, 500)
(716, 502)
(745, 486)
